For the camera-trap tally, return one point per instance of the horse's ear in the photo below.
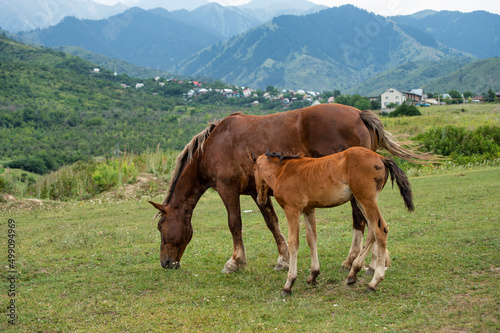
(161, 208)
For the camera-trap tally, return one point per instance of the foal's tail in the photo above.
(402, 181)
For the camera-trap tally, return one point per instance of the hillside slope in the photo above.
(54, 103)
(410, 75)
(476, 77)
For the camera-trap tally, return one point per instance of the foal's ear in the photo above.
(251, 155)
(161, 208)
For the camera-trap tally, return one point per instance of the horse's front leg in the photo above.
(272, 223)
(311, 236)
(293, 219)
(238, 260)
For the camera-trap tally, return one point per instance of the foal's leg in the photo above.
(310, 218)
(292, 217)
(231, 200)
(272, 223)
(378, 232)
(358, 229)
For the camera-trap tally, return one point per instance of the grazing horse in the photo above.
(217, 158)
(301, 184)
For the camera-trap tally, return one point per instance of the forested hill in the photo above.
(477, 33)
(337, 48)
(54, 103)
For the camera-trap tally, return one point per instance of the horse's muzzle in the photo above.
(169, 263)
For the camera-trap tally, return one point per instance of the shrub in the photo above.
(405, 110)
(113, 173)
(31, 164)
(463, 145)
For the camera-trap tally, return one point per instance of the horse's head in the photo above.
(175, 233)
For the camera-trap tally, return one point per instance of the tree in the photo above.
(456, 96)
(492, 97)
(362, 104)
(468, 94)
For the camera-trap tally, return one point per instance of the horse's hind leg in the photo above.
(358, 229)
(272, 223)
(310, 218)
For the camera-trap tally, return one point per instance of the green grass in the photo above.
(94, 266)
(467, 115)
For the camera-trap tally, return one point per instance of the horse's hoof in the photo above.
(286, 292)
(370, 290)
(351, 281)
(230, 267)
(281, 265)
(370, 271)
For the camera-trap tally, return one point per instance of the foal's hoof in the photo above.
(370, 271)
(312, 278)
(346, 266)
(351, 281)
(286, 292)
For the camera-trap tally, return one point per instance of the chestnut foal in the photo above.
(301, 184)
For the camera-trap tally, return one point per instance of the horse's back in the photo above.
(314, 131)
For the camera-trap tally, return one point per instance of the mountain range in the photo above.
(25, 15)
(334, 48)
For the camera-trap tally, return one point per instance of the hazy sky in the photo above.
(391, 7)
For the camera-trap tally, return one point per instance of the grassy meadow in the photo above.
(93, 265)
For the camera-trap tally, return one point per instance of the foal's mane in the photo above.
(280, 155)
(195, 145)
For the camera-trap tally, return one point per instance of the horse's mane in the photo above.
(281, 157)
(196, 144)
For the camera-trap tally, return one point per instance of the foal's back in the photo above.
(328, 181)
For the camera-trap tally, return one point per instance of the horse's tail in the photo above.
(384, 140)
(196, 144)
(402, 181)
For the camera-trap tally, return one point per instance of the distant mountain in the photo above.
(265, 10)
(169, 5)
(410, 75)
(154, 38)
(477, 33)
(477, 77)
(336, 48)
(24, 15)
(228, 21)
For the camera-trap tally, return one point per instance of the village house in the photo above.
(398, 97)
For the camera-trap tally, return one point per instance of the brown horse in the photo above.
(301, 184)
(217, 158)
